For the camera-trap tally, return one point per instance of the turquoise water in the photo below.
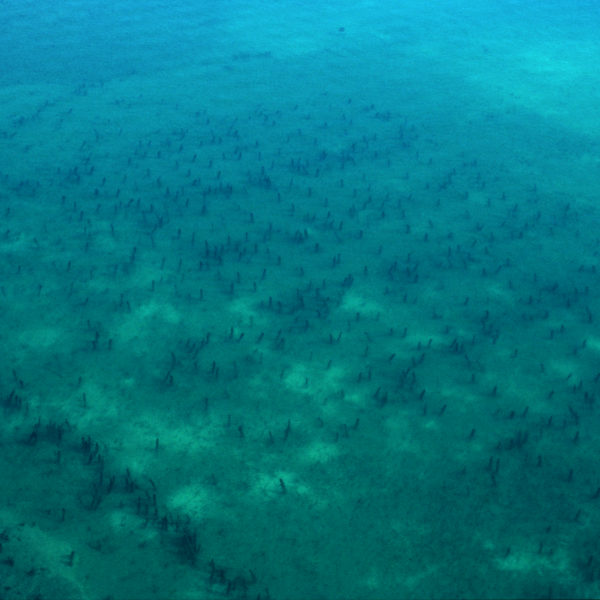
(299, 300)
